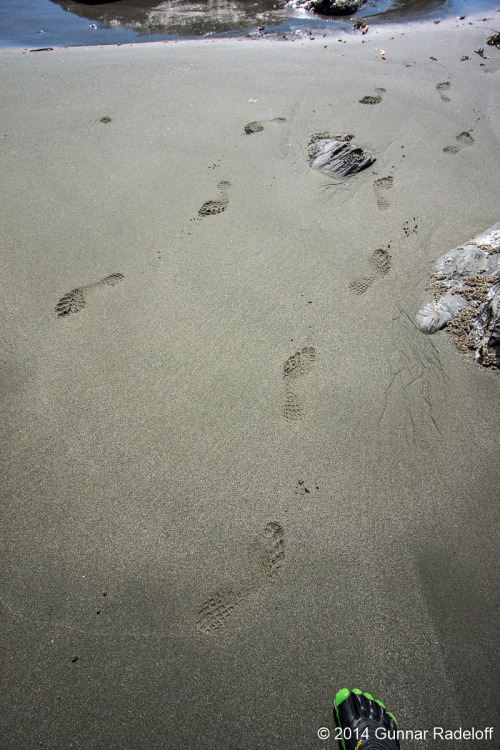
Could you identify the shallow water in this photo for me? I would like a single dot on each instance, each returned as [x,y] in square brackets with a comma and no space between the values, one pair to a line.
[44,23]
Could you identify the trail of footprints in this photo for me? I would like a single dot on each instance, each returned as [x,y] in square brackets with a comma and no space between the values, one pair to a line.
[74,301]
[380,261]
[219,606]
[220,204]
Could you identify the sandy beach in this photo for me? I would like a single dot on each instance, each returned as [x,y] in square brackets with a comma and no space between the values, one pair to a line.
[199,550]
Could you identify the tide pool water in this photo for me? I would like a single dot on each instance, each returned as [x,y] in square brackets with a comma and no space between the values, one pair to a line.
[46,23]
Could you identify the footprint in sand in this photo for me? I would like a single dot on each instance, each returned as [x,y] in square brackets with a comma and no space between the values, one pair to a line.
[373,99]
[256,126]
[217,206]
[270,550]
[272,555]
[360,286]
[443,88]
[463,139]
[298,364]
[74,301]
[381,187]
[380,261]
[214,612]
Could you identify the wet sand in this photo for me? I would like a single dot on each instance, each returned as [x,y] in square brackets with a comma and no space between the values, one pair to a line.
[204,539]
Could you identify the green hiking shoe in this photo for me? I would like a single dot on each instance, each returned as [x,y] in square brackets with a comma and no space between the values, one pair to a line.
[364,722]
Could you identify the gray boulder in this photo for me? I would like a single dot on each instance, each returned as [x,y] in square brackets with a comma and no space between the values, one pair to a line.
[338,154]
[486,330]
[435,315]
[466,287]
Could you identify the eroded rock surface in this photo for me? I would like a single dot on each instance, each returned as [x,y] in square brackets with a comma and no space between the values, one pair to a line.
[466,290]
[338,154]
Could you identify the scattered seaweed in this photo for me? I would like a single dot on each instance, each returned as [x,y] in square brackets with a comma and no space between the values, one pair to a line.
[361,25]
[494,40]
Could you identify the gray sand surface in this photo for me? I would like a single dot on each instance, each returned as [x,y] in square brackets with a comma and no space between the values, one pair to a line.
[145,447]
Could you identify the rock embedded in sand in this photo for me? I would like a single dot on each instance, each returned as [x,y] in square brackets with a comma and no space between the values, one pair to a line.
[466,288]
[486,330]
[434,316]
[337,154]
